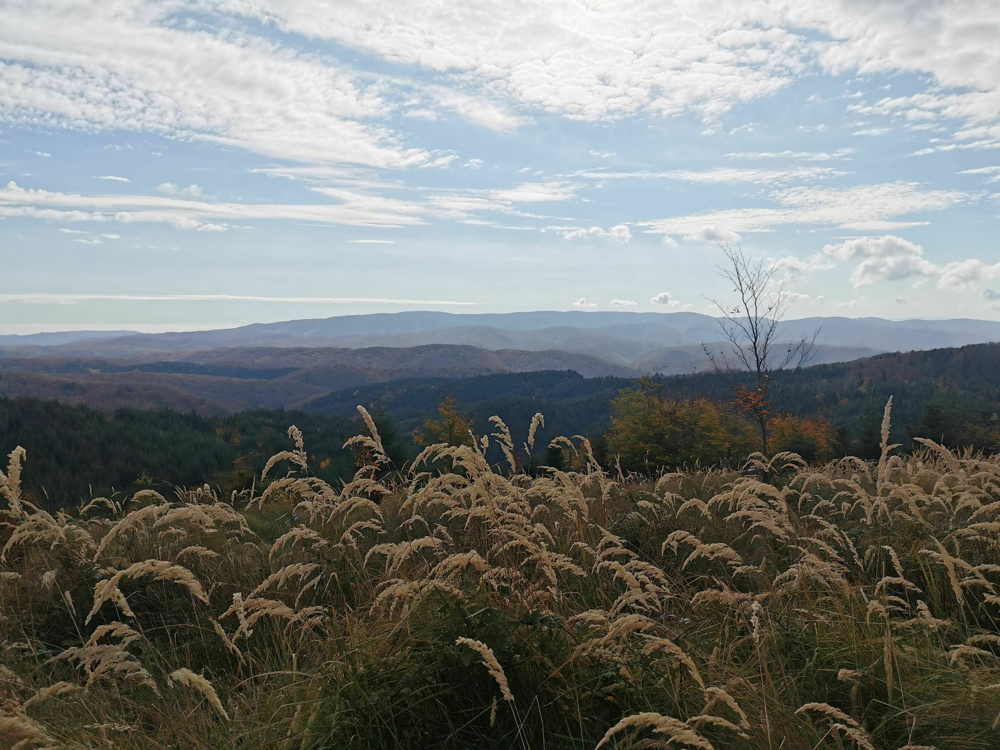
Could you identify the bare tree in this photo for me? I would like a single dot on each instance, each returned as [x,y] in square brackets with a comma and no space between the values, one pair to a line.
[751,331]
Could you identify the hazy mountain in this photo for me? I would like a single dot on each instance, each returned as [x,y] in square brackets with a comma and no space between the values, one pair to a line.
[218,380]
[621,337]
[60,337]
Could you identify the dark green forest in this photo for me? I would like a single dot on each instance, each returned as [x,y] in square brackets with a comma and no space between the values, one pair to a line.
[949,395]
[75,452]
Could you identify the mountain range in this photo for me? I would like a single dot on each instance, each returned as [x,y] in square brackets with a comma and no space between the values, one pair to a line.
[289,364]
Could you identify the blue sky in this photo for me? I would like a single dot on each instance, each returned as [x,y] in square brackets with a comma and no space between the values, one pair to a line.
[198,163]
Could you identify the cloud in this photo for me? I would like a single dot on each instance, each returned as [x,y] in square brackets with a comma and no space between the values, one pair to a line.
[473,164]
[865,207]
[887,258]
[347,207]
[993,172]
[665,298]
[55,298]
[843,153]
[712,233]
[192,191]
[475,109]
[794,267]
[137,67]
[370,242]
[111,236]
[113,178]
[622,303]
[582,302]
[963,273]
[731,175]
[991,296]
[621,232]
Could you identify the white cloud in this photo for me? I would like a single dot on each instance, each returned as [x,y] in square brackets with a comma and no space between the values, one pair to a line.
[865,207]
[349,207]
[192,191]
[712,233]
[370,242]
[887,258]
[569,57]
[843,153]
[130,66]
[55,298]
[582,302]
[795,267]
[963,273]
[43,154]
[622,303]
[113,178]
[111,236]
[729,175]
[620,233]
[473,164]
[992,172]
[665,298]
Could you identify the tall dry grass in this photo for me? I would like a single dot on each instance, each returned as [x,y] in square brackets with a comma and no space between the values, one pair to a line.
[457,603]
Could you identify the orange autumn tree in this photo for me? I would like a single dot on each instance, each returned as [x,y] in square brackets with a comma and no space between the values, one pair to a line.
[649,432]
[810,438]
[451,426]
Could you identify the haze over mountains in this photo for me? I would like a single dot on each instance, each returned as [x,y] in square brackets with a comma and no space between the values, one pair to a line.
[622,337]
[289,364]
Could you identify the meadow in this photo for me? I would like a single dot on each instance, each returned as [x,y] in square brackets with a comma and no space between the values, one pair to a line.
[455,603]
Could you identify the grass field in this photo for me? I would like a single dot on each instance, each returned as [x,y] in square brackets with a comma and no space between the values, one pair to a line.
[458,604]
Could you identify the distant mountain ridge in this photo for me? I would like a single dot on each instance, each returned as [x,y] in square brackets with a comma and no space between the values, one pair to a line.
[667,343]
[226,380]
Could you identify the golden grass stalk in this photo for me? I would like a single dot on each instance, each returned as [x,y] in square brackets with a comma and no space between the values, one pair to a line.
[491,664]
[187,678]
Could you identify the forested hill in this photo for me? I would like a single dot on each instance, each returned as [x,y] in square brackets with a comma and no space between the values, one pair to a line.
[946,394]
[949,395]
[75,452]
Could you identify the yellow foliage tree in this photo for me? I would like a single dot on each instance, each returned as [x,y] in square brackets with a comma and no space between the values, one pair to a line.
[451,427]
[649,431]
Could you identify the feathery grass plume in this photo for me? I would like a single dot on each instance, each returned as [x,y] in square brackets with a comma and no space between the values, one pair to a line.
[294,536]
[283,576]
[297,456]
[52,691]
[187,678]
[21,731]
[536,421]
[654,644]
[884,445]
[372,441]
[506,442]
[161,570]
[679,732]
[10,483]
[134,520]
[491,664]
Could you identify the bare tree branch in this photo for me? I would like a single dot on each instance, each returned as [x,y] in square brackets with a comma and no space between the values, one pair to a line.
[751,330]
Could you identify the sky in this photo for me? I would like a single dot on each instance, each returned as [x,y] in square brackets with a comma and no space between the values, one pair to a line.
[180,164]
